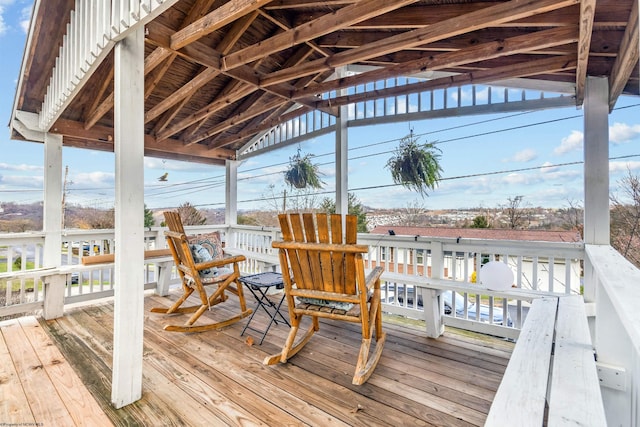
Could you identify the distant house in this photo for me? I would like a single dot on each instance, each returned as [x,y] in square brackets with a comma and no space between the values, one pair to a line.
[536,272]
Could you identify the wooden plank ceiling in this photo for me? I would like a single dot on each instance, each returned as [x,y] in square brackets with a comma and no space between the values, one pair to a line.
[220,72]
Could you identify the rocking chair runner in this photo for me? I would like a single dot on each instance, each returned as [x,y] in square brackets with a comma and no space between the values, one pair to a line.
[192,280]
[329,283]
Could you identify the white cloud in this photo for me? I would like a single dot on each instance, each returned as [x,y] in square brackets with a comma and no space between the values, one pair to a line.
[524,156]
[22,181]
[25,18]
[548,167]
[3,24]
[22,167]
[622,132]
[572,142]
[93,179]
[623,166]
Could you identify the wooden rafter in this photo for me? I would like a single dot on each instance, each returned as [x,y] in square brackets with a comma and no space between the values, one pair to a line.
[529,68]
[218,18]
[341,18]
[472,21]
[627,60]
[518,44]
[587,14]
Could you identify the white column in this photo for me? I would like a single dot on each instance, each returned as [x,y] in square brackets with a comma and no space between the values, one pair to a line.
[231,193]
[596,161]
[52,225]
[596,170]
[52,220]
[129,220]
[342,163]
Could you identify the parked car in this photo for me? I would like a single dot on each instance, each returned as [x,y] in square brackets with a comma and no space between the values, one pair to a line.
[397,293]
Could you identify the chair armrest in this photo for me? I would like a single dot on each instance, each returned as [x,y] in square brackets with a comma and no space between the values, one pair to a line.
[373,278]
[220,262]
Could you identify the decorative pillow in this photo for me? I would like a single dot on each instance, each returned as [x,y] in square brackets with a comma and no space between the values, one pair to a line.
[201,254]
[211,241]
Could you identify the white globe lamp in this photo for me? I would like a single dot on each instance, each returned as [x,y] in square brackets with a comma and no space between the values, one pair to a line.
[496,275]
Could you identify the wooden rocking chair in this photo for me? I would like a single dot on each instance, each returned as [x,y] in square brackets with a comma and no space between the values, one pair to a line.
[192,277]
[330,283]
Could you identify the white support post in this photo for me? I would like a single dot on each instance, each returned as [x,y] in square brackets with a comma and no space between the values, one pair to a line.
[129,220]
[596,171]
[52,220]
[342,147]
[52,225]
[432,300]
[231,193]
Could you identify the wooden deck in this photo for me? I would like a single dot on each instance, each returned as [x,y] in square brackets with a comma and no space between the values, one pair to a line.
[217,377]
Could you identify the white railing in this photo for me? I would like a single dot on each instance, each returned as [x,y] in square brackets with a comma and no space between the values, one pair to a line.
[538,267]
[93,29]
[617,332]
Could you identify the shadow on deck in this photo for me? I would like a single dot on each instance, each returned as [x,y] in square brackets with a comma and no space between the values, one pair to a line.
[217,377]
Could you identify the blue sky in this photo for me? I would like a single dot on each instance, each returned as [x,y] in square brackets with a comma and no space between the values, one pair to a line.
[486,159]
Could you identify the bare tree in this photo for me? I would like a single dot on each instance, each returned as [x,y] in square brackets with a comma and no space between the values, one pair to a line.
[518,214]
[573,217]
[625,219]
[292,200]
[413,214]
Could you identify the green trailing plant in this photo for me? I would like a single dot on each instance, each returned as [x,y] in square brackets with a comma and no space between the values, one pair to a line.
[302,173]
[415,166]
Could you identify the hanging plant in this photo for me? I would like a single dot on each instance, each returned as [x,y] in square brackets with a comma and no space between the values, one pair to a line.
[415,166]
[302,172]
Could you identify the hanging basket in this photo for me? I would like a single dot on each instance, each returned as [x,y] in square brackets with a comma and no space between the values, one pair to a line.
[302,173]
[415,166]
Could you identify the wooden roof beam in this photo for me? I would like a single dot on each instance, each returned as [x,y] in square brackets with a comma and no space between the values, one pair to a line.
[483,18]
[214,20]
[205,75]
[100,106]
[325,24]
[525,69]
[260,126]
[74,131]
[300,55]
[627,59]
[587,14]
[206,111]
[235,120]
[514,45]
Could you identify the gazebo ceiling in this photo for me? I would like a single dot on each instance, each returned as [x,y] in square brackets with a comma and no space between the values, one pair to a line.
[219,73]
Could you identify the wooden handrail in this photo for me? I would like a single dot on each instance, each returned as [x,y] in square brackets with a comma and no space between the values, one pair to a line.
[107,258]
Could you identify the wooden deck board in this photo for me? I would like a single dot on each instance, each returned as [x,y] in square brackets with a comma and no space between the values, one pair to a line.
[217,377]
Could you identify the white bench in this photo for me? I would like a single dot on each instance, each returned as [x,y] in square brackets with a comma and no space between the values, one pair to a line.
[431,290]
[551,378]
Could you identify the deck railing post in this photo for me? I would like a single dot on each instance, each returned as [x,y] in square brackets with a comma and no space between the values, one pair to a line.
[432,302]
[54,286]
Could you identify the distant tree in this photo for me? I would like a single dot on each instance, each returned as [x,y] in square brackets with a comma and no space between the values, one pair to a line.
[17,226]
[480,221]
[413,214]
[625,219]
[291,199]
[247,220]
[190,215]
[149,220]
[518,214]
[573,217]
[354,208]
[96,219]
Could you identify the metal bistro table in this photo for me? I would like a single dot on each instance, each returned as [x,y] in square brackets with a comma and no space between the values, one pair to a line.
[259,284]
